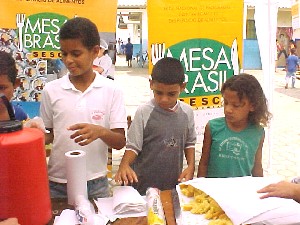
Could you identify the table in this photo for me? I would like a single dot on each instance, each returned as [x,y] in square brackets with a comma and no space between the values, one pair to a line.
[58,205]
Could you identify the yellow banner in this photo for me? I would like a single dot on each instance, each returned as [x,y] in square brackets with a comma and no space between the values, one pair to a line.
[205,35]
[34,25]
[101,12]
[201,102]
[29,31]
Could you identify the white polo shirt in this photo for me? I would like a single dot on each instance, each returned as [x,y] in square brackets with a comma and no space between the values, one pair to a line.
[63,105]
[105,63]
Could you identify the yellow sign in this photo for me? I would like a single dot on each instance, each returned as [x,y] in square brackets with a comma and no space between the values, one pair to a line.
[34,25]
[201,102]
[29,31]
[101,12]
[206,36]
[295,14]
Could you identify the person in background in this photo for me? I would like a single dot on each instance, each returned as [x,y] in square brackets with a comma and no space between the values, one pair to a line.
[292,65]
[161,134]
[119,42]
[122,48]
[82,110]
[103,63]
[232,145]
[280,50]
[8,83]
[292,45]
[276,55]
[129,53]
[283,189]
[10,221]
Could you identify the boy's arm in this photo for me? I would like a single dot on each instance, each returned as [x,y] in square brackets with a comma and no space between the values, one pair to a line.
[135,137]
[188,173]
[49,136]
[125,174]
[99,69]
[203,163]
[86,133]
[115,138]
[257,170]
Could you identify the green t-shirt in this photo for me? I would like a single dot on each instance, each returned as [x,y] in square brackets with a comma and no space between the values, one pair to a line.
[232,154]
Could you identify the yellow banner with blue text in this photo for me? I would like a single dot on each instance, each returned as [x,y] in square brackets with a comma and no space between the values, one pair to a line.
[206,36]
[29,31]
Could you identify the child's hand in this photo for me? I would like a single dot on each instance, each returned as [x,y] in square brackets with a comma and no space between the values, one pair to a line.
[125,175]
[186,175]
[36,122]
[11,221]
[85,133]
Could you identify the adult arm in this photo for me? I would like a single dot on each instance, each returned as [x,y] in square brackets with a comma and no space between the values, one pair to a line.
[203,163]
[282,189]
[257,170]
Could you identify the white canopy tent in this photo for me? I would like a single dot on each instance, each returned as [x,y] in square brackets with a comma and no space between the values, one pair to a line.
[266,26]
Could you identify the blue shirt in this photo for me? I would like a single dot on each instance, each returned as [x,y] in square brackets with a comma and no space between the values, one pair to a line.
[129,49]
[19,113]
[292,63]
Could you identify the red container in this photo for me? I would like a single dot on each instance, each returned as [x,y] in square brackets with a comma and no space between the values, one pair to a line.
[24,186]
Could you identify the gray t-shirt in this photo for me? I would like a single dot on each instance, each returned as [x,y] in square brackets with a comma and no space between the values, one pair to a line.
[159,138]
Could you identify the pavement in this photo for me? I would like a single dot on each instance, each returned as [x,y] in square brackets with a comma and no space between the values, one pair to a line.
[281,153]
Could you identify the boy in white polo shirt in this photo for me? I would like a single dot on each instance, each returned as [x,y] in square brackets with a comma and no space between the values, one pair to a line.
[82,110]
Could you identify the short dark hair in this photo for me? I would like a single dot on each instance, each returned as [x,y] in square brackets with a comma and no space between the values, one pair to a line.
[168,71]
[80,28]
[8,66]
[293,50]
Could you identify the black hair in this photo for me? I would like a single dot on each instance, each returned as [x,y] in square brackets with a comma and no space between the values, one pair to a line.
[80,28]
[247,85]
[8,66]
[168,71]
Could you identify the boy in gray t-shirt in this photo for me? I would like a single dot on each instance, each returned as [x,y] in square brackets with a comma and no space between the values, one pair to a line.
[161,133]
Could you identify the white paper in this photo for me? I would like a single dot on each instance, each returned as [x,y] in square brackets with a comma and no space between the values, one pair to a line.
[76,175]
[106,207]
[126,202]
[239,199]
[128,199]
[97,219]
[67,217]
[284,215]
